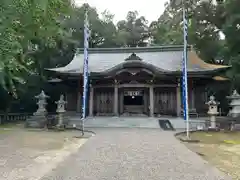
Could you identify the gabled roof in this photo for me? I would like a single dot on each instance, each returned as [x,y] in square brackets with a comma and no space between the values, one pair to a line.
[164,58]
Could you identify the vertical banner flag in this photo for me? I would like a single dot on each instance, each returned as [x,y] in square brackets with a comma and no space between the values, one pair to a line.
[85,66]
[184,68]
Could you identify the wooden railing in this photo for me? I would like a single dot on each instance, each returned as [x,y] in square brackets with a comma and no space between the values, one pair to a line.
[13,117]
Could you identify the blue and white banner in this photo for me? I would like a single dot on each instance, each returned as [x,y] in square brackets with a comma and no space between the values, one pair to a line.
[184,68]
[85,67]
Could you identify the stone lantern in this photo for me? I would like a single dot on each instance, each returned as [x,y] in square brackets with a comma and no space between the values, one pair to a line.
[42,102]
[61,110]
[234,113]
[38,120]
[213,111]
[235,104]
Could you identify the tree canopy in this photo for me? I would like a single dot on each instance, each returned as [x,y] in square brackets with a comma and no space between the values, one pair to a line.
[44,34]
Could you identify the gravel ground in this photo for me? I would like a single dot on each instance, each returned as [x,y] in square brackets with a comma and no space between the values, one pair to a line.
[134,154]
[28,155]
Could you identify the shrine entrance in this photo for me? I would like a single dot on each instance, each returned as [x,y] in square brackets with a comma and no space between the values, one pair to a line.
[134,101]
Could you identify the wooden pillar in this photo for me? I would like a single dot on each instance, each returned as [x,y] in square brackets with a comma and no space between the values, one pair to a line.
[193,96]
[178,91]
[79,102]
[145,96]
[116,99]
[91,101]
[151,96]
[121,102]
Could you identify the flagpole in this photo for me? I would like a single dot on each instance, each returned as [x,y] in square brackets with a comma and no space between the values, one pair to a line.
[185,77]
[85,69]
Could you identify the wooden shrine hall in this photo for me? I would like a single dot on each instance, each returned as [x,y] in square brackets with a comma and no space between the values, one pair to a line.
[135,81]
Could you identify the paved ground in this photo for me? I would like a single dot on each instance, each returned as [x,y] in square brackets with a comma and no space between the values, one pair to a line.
[134,154]
[28,155]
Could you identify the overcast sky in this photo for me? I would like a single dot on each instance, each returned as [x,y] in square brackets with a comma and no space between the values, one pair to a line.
[151,9]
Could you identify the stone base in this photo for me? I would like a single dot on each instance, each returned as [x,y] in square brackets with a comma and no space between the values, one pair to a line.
[213,129]
[60,127]
[36,121]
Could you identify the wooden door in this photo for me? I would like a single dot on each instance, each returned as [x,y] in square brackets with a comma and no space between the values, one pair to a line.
[165,101]
[103,101]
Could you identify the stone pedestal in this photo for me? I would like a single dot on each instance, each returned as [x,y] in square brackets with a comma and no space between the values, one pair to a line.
[212,111]
[213,122]
[60,110]
[60,120]
[38,120]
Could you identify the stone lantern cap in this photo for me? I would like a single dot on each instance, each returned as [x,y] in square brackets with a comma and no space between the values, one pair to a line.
[212,101]
[42,95]
[235,95]
[61,100]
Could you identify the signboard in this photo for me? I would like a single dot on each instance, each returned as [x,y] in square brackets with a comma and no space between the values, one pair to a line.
[133,93]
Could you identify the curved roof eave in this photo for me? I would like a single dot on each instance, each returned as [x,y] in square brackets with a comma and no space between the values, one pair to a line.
[196,60]
[203,72]
[134,64]
[151,67]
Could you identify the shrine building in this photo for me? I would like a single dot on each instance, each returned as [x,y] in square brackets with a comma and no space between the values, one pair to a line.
[137,81]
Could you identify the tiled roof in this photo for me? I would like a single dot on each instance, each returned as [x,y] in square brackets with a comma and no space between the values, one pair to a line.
[167,58]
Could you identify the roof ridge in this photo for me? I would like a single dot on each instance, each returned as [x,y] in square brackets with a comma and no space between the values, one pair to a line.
[135,49]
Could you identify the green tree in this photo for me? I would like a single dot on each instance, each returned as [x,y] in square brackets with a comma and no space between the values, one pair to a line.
[26,27]
[231,30]
[103,30]
[133,31]
[204,28]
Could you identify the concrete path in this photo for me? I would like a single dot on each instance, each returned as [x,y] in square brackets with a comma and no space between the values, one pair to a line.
[134,154]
